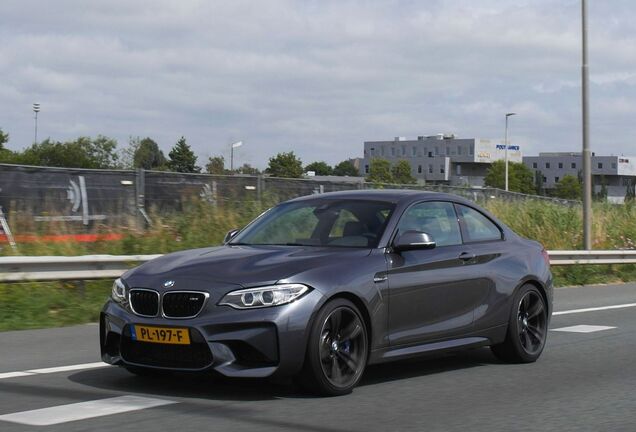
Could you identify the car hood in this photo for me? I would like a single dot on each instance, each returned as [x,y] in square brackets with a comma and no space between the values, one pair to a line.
[240,266]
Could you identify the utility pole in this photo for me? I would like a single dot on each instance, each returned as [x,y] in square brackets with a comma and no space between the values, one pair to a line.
[506,146]
[36,110]
[234,145]
[587,159]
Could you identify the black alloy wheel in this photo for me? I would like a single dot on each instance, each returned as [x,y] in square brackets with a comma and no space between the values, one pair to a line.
[337,351]
[527,328]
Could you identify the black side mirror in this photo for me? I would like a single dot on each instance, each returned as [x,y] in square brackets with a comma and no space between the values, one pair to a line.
[230,234]
[413,240]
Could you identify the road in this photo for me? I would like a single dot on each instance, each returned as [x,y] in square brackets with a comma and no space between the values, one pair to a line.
[583,382]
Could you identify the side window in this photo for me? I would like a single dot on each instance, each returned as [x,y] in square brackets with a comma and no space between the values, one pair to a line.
[344,224]
[478,227]
[435,218]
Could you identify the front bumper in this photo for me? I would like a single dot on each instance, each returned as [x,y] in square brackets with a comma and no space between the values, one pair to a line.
[235,343]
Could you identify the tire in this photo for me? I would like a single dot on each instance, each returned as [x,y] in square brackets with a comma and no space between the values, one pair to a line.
[527,328]
[337,350]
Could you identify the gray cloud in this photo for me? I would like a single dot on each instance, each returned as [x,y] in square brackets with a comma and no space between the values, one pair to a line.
[316,77]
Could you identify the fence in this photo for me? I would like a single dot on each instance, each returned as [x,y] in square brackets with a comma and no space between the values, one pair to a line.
[82,198]
[45,268]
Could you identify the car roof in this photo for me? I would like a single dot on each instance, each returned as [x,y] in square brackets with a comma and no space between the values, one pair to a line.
[388,195]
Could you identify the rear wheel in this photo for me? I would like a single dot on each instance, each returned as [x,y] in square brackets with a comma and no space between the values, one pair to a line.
[527,328]
[337,350]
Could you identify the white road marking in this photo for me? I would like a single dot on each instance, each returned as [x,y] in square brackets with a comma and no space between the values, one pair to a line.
[583,328]
[42,371]
[83,410]
[593,309]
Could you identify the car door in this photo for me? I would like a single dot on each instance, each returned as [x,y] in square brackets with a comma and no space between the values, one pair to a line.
[433,293]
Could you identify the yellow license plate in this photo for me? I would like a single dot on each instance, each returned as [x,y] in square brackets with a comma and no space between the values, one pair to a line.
[162,335]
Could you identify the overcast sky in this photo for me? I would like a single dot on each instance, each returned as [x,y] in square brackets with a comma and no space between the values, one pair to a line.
[316,77]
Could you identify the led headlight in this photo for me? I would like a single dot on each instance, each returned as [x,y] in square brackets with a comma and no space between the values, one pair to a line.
[119,291]
[274,295]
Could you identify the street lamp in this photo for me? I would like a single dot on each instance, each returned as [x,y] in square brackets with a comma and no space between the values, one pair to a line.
[36,110]
[234,145]
[506,145]
[587,159]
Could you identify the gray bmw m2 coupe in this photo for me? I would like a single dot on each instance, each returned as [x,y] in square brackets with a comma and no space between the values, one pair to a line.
[321,286]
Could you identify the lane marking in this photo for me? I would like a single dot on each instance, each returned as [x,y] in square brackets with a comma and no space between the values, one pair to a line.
[593,309]
[83,366]
[83,410]
[583,328]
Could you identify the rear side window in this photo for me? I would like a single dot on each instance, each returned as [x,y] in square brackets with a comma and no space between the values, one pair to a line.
[435,218]
[476,226]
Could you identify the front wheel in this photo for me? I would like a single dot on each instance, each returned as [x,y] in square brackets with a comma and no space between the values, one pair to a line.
[527,328]
[337,350]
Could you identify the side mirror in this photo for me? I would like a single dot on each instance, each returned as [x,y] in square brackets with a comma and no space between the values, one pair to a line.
[230,234]
[413,240]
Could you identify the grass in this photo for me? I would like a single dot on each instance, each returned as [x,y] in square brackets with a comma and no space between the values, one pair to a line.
[34,305]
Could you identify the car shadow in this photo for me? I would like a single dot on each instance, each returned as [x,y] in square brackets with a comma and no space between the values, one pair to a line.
[214,387]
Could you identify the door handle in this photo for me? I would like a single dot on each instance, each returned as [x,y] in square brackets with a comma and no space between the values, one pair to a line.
[466,256]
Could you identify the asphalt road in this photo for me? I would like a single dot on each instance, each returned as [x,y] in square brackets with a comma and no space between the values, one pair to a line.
[583,382]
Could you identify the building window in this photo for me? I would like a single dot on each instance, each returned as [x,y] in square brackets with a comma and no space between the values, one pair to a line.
[471,151]
[366,169]
[414,151]
[430,169]
[573,165]
[403,150]
[459,150]
[392,151]
[459,169]
[613,165]
[441,169]
[556,179]
[430,154]
[547,164]
[534,165]
[544,179]
[600,165]
[419,169]
[560,165]
[436,151]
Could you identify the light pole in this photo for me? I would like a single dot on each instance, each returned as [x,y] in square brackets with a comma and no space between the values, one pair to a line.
[506,145]
[36,110]
[234,145]
[587,160]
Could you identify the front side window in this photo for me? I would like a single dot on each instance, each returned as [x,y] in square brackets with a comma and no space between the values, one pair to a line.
[477,227]
[319,222]
[435,218]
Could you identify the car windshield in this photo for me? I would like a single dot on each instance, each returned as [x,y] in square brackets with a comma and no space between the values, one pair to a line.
[320,222]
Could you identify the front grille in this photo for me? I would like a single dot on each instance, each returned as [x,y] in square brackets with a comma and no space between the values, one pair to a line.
[183,304]
[144,302]
[195,356]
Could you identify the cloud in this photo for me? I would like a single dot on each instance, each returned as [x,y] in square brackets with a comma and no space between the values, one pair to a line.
[315,77]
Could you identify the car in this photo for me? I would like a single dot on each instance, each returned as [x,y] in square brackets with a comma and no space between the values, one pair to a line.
[319,287]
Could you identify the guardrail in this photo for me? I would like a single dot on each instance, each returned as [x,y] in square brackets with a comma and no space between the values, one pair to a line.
[46,268]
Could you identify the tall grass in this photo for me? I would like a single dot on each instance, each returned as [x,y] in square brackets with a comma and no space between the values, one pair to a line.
[202,224]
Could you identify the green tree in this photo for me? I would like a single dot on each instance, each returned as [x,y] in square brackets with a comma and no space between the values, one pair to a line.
[247,169]
[346,168]
[285,165]
[402,172]
[520,177]
[538,183]
[84,152]
[215,165]
[182,158]
[568,187]
[320,168]
[149,156]
[602,194]
[630,191]
[380,171]
[4,138]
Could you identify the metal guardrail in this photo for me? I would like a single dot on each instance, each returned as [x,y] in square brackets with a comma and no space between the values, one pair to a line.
[46,268]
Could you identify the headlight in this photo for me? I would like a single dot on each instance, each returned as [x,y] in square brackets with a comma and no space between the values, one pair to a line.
[119,291]
[274,295]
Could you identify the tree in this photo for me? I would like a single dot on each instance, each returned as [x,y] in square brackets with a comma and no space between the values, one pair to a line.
[520,177]
[402,172]
[568,187]
[538,183]
[346,168]
[215,165]
[285,165]
[182,158]
[4,138]
[602,194]
[380,171]
[149,156]
[320,168]
[630,191]
[247,169]
[84,152]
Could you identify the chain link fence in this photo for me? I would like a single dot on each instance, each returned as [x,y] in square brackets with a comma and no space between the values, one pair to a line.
[37,199]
